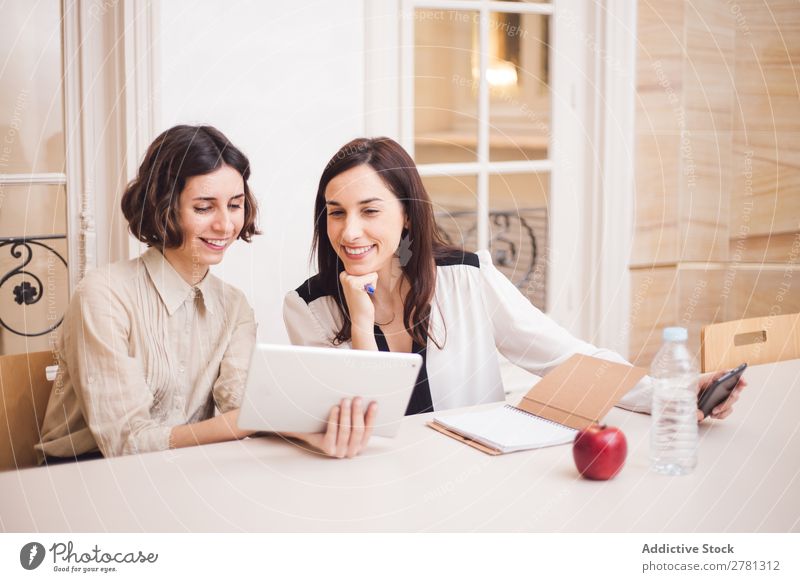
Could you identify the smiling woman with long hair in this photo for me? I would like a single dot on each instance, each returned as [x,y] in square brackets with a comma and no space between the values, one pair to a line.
[387,281]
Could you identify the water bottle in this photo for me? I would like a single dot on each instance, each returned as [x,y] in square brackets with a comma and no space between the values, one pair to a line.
[673,438]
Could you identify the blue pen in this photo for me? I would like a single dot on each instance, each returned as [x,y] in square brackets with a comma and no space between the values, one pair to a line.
[369,288]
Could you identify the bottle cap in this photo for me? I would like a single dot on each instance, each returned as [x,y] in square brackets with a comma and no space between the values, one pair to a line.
[675,334]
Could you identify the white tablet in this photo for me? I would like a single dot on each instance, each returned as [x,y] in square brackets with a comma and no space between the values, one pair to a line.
[292,388]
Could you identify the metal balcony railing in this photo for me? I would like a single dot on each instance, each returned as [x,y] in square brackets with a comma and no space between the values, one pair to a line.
[517,242]
[29,288]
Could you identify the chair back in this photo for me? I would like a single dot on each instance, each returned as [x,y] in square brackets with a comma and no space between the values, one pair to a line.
[24,392]
[758,340]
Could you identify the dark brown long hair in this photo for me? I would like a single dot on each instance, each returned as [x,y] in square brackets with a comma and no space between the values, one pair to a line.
[399,173]
[151,202]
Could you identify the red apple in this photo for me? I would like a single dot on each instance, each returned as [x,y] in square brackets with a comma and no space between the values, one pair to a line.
[599,451]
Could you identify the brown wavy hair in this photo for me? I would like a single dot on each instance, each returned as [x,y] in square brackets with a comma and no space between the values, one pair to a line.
[399,173]
[151,200]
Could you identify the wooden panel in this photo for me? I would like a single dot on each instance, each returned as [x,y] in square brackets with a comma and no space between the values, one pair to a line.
[769,29]
[766,98]
[699,301]
[688,296]
[653,307]
[710,67]
[661,23]
[659,66]
[727,191]
[705,196]
[766,68]
[766,189]
[706,147]
[767,290]
[775,248]
[656,222]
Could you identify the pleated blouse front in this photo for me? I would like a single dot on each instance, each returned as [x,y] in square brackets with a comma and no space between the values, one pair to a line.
[141,351]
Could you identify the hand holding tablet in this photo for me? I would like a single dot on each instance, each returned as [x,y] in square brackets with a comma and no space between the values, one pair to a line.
[293,389]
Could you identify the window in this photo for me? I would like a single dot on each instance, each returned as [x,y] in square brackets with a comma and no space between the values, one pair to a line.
[476,116]
[33,223]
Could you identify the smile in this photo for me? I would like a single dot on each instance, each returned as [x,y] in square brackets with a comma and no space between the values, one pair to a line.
[216,244]
[357,251]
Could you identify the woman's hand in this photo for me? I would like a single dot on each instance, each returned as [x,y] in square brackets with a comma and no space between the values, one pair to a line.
[348,430]
[362,310]
[723,409]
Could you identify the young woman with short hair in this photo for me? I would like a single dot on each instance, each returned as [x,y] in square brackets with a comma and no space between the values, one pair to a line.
[151,348]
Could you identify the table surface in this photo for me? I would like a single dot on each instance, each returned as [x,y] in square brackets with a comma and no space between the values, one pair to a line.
[747,480]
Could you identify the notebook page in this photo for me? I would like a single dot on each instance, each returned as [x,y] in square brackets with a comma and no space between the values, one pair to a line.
[507,429]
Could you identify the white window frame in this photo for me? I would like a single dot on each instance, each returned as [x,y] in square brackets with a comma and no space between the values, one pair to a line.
[590,218]
[482,167]
[389,23]
[613,183]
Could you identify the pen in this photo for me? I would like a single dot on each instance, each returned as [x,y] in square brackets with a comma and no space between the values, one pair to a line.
[369,288]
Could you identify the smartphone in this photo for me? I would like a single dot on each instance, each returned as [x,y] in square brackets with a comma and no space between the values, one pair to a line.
[719,390]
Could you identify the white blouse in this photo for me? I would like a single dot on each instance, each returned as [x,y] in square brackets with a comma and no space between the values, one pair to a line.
[476,311]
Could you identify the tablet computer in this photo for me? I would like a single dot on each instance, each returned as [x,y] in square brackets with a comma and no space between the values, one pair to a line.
[292,388]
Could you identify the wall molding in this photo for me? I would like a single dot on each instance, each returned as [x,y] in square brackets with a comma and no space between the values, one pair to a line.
[381,61]
[614,203]
[570,193]
[109,71]
[46,178]
[80,200]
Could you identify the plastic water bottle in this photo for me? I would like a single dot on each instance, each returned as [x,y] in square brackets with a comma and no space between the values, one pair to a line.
[673,438]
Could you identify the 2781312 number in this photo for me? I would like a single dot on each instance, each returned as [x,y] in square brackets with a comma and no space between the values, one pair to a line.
[755,565]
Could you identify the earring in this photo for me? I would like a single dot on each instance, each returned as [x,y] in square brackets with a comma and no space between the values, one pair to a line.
[403,251]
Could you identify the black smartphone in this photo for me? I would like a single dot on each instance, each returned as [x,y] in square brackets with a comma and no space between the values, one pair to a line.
[719,390]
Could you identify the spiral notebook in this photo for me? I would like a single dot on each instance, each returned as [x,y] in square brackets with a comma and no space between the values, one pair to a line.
[571,397]
[506,429]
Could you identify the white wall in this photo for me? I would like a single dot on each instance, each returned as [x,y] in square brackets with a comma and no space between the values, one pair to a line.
[284,81]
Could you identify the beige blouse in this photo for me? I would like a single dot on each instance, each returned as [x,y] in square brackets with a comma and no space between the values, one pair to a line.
[141,351]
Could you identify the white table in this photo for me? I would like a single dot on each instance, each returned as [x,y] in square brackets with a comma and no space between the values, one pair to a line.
[748,480]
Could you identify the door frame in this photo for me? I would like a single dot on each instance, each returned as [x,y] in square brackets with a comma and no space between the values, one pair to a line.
[110,66]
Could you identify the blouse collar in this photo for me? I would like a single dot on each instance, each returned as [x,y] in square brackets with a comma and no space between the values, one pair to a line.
[171,287]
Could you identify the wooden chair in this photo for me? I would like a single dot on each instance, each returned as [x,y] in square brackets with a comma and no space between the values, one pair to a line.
[758,340]
[24,392]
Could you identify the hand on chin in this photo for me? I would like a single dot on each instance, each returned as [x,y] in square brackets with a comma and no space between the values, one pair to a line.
[358,268]
[354,286]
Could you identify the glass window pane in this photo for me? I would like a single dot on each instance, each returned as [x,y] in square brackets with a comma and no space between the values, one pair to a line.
[454,206]
[32,210]
[31,99]
[518,227]
[445,86]
[518,77]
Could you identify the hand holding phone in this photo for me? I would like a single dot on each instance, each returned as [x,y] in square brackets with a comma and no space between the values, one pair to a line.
[719,390]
